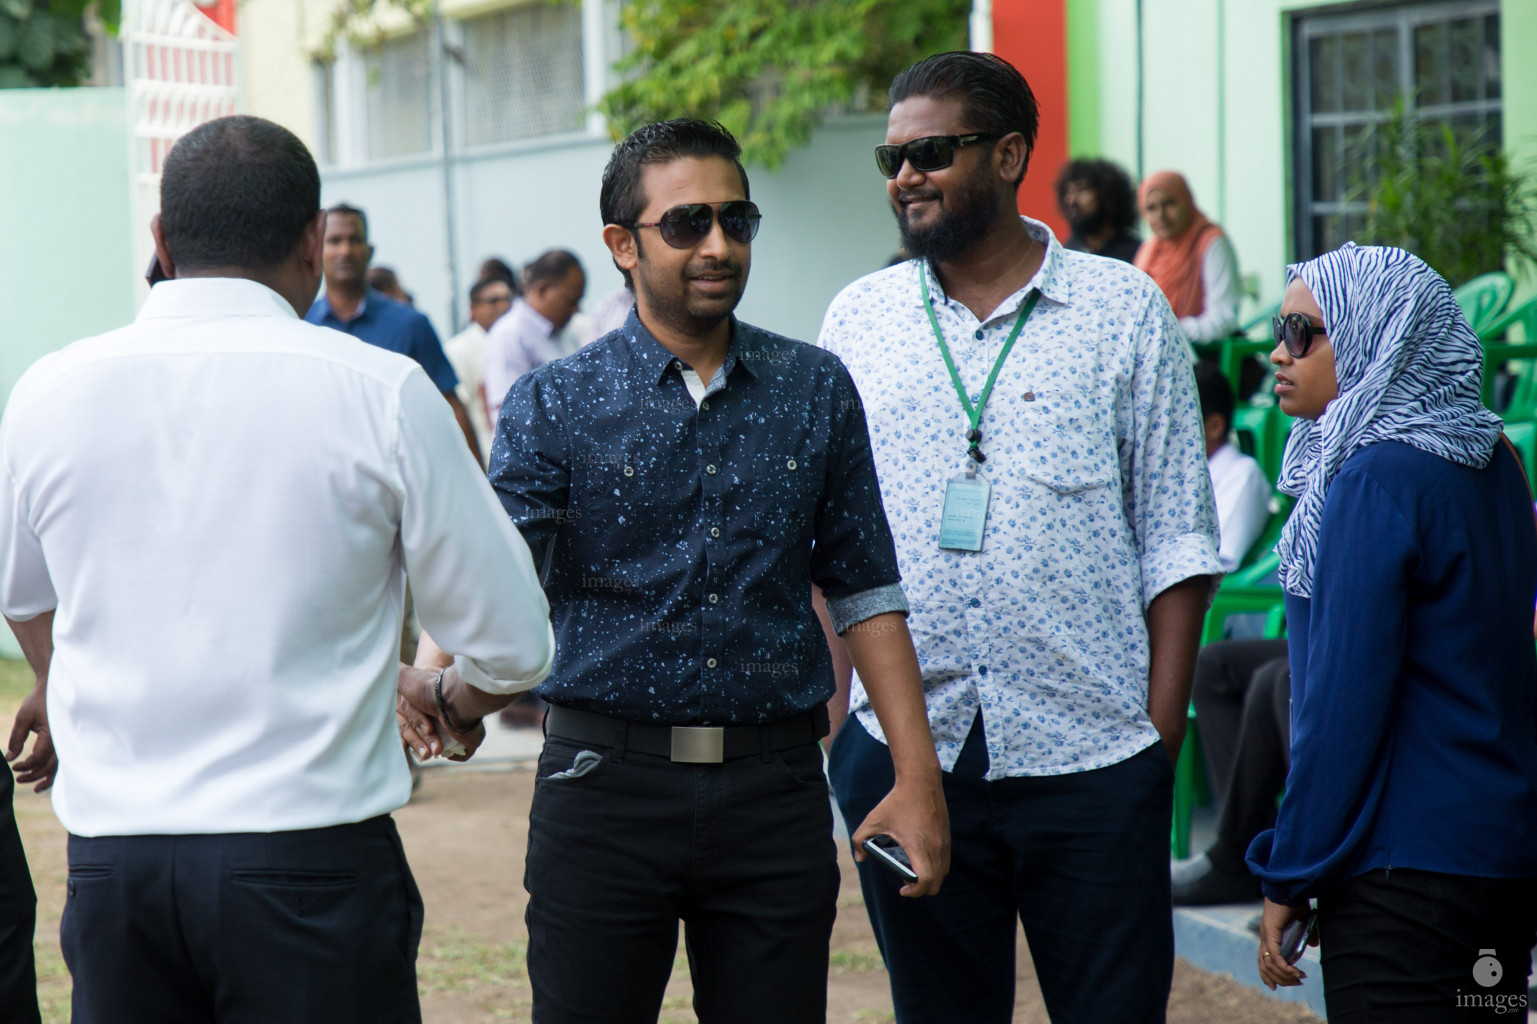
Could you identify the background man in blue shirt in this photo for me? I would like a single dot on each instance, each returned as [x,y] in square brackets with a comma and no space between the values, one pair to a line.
[351,306]
[685,480]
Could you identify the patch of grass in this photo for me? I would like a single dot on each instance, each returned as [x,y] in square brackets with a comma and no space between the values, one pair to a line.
[843,961]
[16,682]
[450,962]
[878,1016]
[53,983]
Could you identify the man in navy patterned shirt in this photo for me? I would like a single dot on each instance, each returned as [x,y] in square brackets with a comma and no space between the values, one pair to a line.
[1036,431]
[685,480]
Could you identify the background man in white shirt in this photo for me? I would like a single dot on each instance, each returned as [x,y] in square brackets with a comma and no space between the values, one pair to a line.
[1056,613]
[531,334]
[1238,483]
[206,520]
[490,297]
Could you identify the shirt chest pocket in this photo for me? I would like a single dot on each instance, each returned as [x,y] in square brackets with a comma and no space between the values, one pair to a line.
[781,496]
[1067,440]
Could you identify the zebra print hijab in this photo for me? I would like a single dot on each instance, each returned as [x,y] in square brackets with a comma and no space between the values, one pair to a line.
[1410,369]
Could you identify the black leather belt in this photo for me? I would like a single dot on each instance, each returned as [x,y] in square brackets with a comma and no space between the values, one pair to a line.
[688,744]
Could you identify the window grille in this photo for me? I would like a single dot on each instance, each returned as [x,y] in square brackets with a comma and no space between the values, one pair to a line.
[523,73]
[1350,68]
[399,96]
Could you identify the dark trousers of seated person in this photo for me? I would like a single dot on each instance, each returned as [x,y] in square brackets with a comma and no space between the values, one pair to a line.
[18,916]
[317,925]
[1404,947]
[623,846]
[1080,858]
[1242,697]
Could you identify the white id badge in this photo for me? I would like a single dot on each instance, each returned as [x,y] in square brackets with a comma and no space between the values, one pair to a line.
[964,519]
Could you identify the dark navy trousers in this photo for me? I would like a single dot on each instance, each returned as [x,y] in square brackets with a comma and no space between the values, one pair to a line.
[1082,859]
[18,916]
[317,925]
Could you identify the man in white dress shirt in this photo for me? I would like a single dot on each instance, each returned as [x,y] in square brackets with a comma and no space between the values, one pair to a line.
[208,519]
[1035,430]
[490,298]
[1237,481]
[533,331]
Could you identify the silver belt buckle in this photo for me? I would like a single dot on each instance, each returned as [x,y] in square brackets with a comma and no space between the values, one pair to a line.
[698,744]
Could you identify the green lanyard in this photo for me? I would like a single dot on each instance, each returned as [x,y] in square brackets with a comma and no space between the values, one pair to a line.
[974,412]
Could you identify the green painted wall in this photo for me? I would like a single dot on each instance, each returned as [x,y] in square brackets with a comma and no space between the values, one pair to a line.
[1216,87]
[65,267]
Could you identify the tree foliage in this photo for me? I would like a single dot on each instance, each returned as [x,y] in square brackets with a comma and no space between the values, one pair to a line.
[44,42]
[770,70]
[1452,198]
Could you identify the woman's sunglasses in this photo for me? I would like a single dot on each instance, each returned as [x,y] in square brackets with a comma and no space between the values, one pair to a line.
[1295,331]
[930,153]
[684,227]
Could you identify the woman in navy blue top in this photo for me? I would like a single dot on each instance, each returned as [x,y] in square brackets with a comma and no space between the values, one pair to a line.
[1410,567]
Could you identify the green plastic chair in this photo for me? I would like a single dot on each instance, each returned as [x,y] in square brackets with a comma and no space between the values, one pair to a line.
[1484,298]
[1259,328]
[1523,438]
[1524,314]
[1523,403]
[1262,431]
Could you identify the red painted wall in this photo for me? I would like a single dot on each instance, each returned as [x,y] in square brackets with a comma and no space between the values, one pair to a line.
[221,12]
[1032,35]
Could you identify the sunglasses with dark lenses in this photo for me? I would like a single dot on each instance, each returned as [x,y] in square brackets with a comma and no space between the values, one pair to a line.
[930,153]
[684,227]
[1295,331]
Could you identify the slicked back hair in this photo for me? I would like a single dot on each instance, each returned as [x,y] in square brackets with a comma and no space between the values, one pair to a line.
[550,266]
[237,192]
[995,97]
[1216,393]
[621,199]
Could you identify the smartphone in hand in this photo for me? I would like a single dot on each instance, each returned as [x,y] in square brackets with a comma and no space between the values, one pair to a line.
[890,855]
[1297,935]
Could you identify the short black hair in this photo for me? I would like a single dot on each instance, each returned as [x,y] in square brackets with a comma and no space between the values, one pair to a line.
[1110,184]
[550,266]
[348,208]
[237,192]
[621,199]
[1216,394]
[494,267]
[479,287]
[384,279]
[996,99]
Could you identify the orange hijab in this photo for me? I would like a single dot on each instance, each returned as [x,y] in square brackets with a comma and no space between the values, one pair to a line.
[1175,264]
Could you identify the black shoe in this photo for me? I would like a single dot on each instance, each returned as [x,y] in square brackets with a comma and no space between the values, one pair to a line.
[1216,886]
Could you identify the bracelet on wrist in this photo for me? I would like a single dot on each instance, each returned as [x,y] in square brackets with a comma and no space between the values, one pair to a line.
[443,712]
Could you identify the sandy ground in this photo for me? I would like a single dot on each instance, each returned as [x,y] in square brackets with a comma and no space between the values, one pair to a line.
[465,832]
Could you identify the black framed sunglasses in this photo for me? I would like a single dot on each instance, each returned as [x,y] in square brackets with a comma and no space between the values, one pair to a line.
[1296,332]
[684,227]
[930,153]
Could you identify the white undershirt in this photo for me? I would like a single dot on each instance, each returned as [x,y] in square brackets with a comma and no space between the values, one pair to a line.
[1223,290]
[1242,493]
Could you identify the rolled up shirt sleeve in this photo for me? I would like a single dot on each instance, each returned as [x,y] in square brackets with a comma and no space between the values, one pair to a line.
[472,577]
[1167,485]
[26,588]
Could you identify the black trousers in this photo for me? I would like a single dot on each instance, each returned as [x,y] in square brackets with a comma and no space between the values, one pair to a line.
[1081,858]
[622,846]
[1412,947]
[318,925]
[18,916]
[1242,697]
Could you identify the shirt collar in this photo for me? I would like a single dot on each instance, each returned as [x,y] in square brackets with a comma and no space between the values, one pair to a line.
[1223,459]
[213,296]
[1051,279]
[654,361]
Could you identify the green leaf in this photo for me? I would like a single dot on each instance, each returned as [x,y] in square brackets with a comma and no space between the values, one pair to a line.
[38,42]
[111,14]
[13,77]
[18,9]
[8,33]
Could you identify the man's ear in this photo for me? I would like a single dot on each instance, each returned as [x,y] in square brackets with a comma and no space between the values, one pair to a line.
[1012,157]
[167,265]
[621,245]
[312,243]
[370,260]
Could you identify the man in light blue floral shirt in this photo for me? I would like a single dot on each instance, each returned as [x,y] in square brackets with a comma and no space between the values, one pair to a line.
[1039,445]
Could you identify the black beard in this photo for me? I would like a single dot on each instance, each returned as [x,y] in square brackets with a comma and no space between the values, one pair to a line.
[1090,224]
[965,216]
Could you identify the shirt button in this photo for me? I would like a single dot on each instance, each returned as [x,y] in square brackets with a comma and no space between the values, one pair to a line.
[677,364]
[790,464]
[981,670]
[979,334]
[715,531]
[1029,396]
[975,399]
[715,599]
[710,663]
[629,471]
[710,469]
[975,602]
[704,405]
